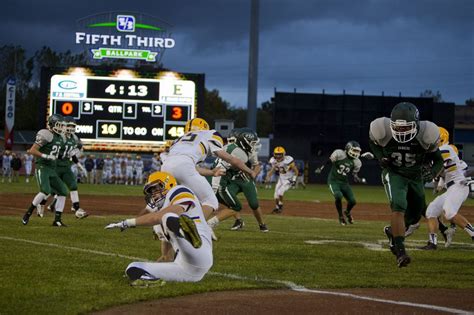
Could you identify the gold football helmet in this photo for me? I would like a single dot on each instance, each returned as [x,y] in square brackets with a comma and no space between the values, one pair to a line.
[443,136]
[156,188]
[279,153]
[196,124]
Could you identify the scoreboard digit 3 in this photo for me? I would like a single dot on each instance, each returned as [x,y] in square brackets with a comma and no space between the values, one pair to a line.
[123,111]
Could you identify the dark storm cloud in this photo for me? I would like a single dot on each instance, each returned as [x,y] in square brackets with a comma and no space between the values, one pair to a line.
[372,45]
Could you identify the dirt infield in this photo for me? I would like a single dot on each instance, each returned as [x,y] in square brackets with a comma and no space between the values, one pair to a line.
[276,301]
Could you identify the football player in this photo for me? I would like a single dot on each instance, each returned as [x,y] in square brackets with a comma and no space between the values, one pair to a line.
[28,159]
[192,148]
[48,145]
[244,145]
[70,153]
[457,190]
[6,166]
[138,169]
[178,220]
[287,171]
[344,162]
[402,143]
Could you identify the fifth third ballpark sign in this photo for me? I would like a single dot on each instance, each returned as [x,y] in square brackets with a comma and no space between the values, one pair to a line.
[124,36]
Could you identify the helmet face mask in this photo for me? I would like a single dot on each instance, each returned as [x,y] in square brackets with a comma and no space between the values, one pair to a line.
[70,125]
[404,122]
[279,153]
[353,149]
[56,123]
[156,188]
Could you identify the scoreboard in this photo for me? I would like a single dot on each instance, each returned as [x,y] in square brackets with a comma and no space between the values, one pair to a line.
[122,112]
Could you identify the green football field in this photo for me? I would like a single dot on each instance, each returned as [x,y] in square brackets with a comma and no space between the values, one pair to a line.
[80,268]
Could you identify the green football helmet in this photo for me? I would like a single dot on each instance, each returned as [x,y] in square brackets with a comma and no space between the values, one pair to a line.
[353,149]
[233,135]
[248,140]
[70,125]
[56,123]
[404,121]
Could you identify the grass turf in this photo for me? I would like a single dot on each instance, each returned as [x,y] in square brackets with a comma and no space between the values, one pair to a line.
[79,269]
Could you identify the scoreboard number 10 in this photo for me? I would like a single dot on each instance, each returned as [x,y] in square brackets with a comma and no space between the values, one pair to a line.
[109,129]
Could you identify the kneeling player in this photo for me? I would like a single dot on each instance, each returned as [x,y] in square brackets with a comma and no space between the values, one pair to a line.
[180,224]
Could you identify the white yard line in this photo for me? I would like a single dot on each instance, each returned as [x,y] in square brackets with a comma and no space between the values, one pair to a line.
[288,284]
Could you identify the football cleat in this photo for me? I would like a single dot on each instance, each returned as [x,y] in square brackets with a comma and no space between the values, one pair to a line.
[73,210]
[449,236]
[142,283]
[189,230]
[26,218]
[263,228]
[411,229]
[349,218]
[429,246]
[342,221]
[238,225]
[51,208]
[40,210]
[81,214]
[59,224]
[403,260]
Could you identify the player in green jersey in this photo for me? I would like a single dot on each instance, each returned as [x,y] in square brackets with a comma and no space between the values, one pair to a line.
[402,144]
[46,149]
[69,154]
[344,162]
[243,144]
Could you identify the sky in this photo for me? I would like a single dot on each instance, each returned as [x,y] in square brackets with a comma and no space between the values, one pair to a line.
[375,46]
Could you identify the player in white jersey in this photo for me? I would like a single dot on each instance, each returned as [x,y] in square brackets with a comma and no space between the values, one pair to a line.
[287,170]
[177,218]
[108,169]
[28,160]
[155,163]
[192,148]
[128,162]
[118,174]
[6,166]
[138,169]
[457,190]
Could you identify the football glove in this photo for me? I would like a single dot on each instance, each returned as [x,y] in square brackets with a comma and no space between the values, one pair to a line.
[122,225]
[293,181]
[367,155]
[384,162]
[319,170]
[48,156]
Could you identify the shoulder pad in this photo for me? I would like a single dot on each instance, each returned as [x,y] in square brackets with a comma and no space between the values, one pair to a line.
[337,155]
[428,136]
[46,134]
[380,131]
[288,159]
[272,160]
